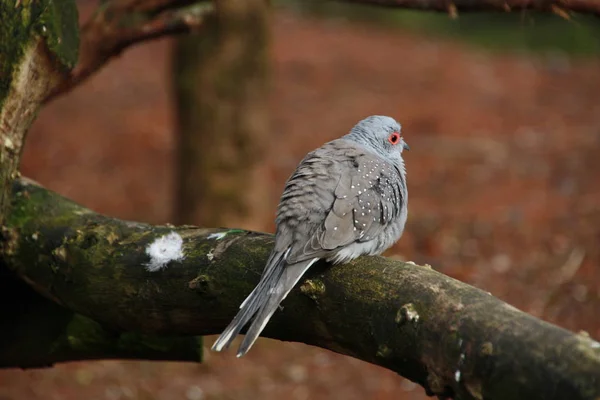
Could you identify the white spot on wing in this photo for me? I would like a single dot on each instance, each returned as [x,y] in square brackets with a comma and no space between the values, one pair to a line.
[163,250]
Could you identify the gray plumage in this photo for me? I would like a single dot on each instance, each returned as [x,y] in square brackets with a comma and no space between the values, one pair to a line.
[346,199]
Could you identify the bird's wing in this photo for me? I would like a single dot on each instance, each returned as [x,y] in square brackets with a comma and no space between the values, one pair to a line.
[338,195]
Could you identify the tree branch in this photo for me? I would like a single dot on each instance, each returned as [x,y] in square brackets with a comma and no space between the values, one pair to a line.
[42,333]
[451,338]
[117,25]
[38,40]
[559,7]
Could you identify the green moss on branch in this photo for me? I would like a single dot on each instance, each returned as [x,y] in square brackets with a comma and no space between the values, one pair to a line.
[451,338]
[38,40]
[23,21]
[37,332]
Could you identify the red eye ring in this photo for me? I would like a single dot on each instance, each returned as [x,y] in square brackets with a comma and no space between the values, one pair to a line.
[394,138]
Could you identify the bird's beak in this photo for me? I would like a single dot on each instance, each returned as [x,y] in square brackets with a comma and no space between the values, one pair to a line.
[406,146]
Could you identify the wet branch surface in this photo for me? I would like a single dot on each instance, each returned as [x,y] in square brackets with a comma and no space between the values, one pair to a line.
[43,333]
[453,339]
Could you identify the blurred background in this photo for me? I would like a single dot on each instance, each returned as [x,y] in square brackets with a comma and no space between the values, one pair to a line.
[502,113]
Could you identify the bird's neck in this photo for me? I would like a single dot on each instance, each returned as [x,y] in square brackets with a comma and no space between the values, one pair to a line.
[401,168]
[358,136]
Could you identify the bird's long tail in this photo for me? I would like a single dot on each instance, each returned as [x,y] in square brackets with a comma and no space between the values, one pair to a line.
[278,279]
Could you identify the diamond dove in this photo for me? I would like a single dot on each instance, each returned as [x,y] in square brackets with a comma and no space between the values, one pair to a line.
[345,199]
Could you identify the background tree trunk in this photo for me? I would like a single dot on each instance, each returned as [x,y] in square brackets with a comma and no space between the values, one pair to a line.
[220,77]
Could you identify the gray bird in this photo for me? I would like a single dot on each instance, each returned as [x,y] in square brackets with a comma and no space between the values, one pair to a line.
[346,199]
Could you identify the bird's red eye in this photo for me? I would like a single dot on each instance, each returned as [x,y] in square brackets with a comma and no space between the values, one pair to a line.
[394,138]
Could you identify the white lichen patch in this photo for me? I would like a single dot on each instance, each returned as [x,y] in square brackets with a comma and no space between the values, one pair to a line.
[457,375]
[411,314]
[217,236]
[8,143]
[461,361]
[407,313]
[83,211]
[163,250]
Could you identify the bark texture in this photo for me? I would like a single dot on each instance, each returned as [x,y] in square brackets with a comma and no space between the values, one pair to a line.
[453,339]
[38,42]
[38,332]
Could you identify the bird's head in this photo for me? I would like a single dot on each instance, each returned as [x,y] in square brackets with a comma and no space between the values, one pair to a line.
[381,134]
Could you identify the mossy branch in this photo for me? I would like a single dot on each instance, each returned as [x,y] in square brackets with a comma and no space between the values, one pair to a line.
[38,42]
[453,339]
[38,332]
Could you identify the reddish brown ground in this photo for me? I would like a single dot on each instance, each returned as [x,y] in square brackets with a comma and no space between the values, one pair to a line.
[503,177]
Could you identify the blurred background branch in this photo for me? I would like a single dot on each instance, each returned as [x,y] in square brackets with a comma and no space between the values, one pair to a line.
[453,339]
[37,43]
[116,25]
[559,7]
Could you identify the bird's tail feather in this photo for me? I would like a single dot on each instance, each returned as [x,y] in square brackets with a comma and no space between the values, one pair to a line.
[289,277]
[253,302]
[275,260]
